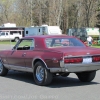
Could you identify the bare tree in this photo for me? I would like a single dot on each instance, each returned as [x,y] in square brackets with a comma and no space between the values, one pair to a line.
[64,13]
[6,10]
[88,6]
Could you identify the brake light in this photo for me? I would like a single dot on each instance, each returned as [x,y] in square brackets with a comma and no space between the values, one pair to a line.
[73,60]
[96,58]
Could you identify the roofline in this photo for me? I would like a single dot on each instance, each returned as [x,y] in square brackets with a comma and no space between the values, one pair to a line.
[49,36]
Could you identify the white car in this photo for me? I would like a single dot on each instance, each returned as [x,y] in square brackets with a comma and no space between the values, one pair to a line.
[10,36]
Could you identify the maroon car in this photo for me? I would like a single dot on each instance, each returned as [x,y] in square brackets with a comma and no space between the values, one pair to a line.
[47,56]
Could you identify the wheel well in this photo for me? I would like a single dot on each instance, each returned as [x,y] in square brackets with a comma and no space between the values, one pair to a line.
[37,61]
[16,37]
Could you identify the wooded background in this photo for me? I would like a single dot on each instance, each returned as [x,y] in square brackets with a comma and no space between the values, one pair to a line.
[64,13]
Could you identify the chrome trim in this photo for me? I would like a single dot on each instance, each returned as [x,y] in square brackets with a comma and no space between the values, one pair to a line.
[77,67]
[19,68]
[64,67]
[29,69]
[55,70]
[62,63]
[81,56]
[82,67]
[39,59]
[40,73]
[16,46]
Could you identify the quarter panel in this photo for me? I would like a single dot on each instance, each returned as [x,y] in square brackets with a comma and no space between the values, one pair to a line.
[52,59]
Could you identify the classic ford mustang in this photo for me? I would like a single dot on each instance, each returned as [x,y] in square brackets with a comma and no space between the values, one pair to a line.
[47,56]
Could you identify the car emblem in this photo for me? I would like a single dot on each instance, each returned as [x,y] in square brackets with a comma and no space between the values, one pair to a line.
[55,60]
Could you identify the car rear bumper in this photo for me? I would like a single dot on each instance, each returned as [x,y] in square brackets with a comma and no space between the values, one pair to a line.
[76,67]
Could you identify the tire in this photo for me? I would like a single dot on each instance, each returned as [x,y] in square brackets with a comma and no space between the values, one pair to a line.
[16,39]
[41,75]
[86,76]
[3,70]
[12,40]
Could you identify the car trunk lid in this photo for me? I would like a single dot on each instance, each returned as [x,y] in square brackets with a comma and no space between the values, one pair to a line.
[78,51]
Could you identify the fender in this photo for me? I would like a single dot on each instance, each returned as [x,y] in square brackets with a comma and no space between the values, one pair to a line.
[38,58]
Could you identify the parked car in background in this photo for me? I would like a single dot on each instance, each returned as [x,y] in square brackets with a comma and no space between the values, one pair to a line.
[9,31]
[50,55]
[15,36]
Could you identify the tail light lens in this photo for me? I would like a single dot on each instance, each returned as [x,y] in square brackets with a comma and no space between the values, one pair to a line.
[96,58]
[73,60]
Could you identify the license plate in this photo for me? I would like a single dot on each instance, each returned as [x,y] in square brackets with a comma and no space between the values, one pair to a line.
[87,60]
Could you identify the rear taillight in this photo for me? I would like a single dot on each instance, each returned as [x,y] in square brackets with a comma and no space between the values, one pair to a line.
[96,59]
[73,60]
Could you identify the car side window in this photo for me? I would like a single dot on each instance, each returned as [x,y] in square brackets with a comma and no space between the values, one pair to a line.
[26,44]
[2,34]
[62,42]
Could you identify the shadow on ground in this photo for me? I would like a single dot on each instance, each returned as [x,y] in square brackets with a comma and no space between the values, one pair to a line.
[57,82]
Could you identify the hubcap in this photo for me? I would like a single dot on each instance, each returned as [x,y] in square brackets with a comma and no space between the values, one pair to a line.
[40,73]
[1,67]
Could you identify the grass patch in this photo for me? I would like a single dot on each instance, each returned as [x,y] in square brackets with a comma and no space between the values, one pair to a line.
[7,42]
[96,46]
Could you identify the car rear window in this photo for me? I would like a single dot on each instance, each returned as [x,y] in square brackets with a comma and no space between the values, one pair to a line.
[63,42]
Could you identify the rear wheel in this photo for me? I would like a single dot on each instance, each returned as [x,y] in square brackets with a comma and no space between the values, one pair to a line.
[3,70]
[41,75]
[86,76]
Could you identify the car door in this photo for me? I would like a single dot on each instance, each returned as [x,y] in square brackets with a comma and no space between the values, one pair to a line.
[16,58]
[29,54]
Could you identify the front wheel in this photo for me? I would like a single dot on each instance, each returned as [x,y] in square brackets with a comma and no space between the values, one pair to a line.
[86,76]
[41,75]
[3,70]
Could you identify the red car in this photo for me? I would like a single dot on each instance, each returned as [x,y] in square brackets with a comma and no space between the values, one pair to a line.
[47,56]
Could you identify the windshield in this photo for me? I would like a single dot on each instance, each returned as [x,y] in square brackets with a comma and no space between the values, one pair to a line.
[63,42]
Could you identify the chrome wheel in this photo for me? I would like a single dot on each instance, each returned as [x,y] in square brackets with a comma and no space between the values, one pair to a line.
[1,67]
[40,73]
